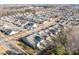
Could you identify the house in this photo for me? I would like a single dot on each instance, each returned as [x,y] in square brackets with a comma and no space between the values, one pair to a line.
[42,45]
[45,22]
[52,30]
[9,31]
[13,32]
[35,25]
[2,18]
[42,33]
[47,31]
[31,40]
[30,25]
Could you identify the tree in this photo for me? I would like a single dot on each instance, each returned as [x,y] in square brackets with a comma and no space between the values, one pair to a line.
[58,49]
[61,37]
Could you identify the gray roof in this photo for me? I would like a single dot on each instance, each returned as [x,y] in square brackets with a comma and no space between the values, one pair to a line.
[32,40]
